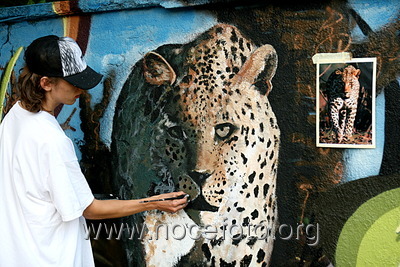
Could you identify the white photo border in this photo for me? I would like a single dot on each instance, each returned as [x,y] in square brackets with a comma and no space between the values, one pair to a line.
[353,61]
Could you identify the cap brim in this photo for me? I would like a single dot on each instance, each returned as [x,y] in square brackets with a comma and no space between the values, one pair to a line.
[86,79]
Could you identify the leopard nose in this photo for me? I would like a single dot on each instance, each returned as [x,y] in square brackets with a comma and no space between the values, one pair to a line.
[347,88]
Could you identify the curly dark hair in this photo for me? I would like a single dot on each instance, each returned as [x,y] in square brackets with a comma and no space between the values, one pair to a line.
[30,91]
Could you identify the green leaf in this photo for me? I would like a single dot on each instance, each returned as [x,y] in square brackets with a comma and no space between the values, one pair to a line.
[6,78]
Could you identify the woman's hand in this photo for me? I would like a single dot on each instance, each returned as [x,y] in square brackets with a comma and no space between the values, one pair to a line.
[162,202]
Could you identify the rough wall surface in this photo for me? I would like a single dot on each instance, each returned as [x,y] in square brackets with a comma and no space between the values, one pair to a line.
[195,99]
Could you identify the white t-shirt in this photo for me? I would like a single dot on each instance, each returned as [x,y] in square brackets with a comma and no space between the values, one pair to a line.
[43,194]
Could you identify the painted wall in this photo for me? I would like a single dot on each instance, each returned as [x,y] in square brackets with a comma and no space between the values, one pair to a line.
[328,189]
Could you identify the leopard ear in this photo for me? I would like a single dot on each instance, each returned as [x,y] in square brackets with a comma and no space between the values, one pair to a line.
[156,69]
[259,69]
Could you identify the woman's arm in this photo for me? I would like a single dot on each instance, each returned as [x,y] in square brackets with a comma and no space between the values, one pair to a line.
[113,208]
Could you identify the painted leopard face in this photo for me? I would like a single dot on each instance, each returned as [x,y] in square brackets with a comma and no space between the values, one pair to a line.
[220,128]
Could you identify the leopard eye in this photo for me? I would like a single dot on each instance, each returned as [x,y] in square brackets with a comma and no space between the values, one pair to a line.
[224,130]
[177,132]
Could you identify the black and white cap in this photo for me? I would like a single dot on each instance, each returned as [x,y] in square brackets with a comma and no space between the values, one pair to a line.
[55,56]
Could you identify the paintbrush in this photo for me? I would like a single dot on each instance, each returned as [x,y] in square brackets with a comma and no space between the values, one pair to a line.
[164,199]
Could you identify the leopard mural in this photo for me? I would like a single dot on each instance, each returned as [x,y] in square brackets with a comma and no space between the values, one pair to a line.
[196,118]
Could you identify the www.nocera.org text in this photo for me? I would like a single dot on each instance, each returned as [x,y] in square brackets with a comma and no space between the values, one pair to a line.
[210,232]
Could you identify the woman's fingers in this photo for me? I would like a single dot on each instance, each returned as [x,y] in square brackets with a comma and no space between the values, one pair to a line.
[179,201]
[179,204]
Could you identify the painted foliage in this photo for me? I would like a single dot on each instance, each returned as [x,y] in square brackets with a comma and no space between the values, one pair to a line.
[187,104]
